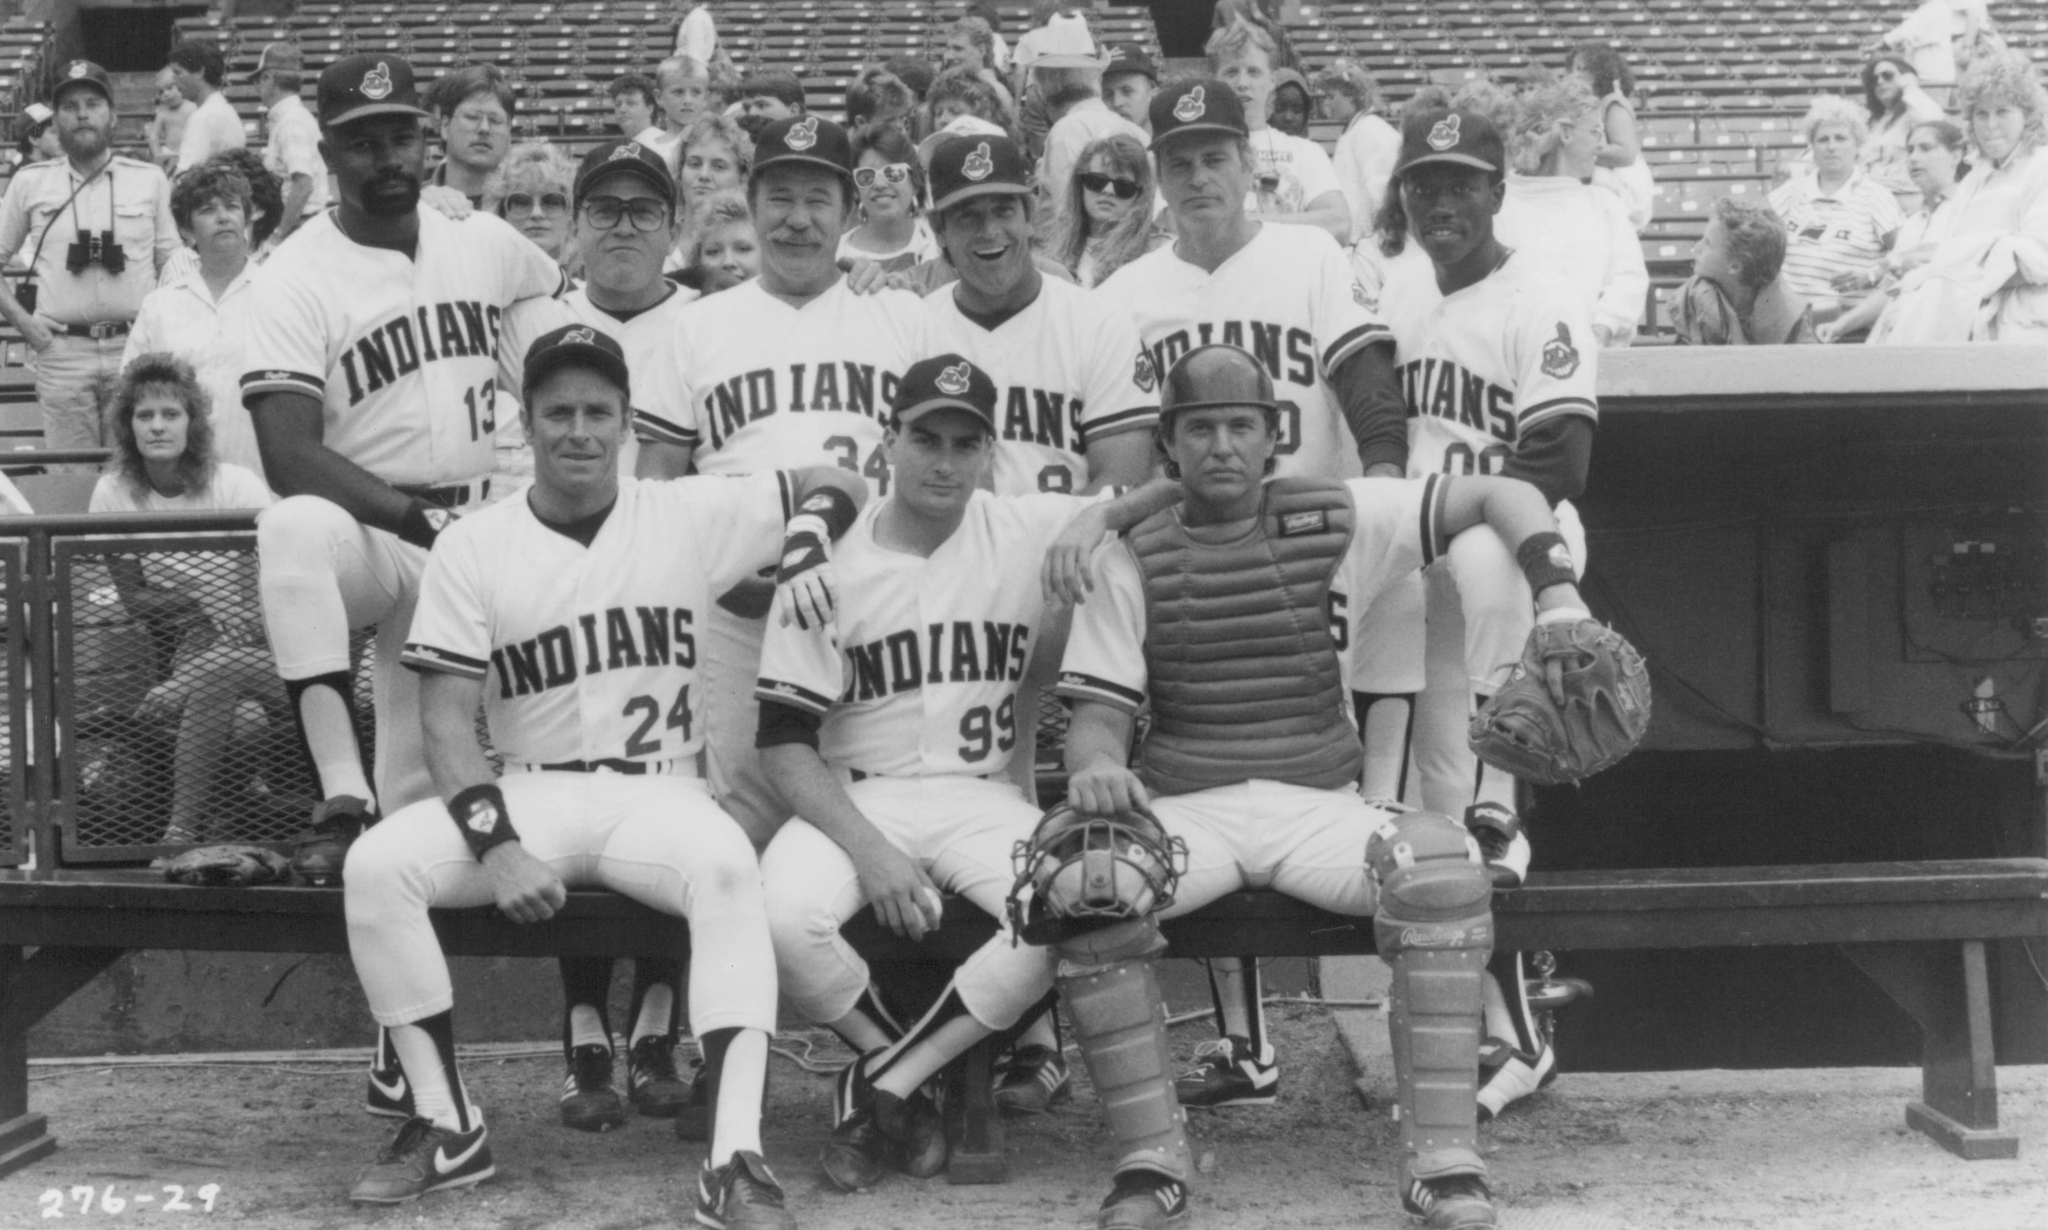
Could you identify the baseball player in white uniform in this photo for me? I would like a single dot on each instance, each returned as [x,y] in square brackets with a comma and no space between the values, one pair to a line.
[570,615]
[889,732]
[790,368]
[1497,362]
[1285,293]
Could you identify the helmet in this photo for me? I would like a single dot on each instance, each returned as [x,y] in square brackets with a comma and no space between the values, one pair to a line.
[1216,375]
[1095,868]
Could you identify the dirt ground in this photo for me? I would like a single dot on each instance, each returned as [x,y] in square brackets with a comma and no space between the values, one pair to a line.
[1809,1150]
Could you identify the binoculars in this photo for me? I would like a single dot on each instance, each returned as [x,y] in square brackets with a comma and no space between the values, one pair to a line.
[95,248]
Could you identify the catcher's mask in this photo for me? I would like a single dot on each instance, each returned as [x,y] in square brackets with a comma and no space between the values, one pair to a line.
[1092,870]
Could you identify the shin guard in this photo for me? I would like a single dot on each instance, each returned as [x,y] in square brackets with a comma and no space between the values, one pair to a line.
[1111,986]
[1435,930]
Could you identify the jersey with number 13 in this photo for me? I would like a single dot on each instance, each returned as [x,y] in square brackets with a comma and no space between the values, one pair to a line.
[401,351]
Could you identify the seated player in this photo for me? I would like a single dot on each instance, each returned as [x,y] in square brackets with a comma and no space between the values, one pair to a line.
[889,733]
[570,615]
[1217,614]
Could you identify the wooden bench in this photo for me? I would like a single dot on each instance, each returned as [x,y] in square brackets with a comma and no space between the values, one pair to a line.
[1918,929]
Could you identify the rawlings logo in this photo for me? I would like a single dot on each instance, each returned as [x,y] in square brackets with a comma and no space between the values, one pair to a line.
[1147,377]
[1294,525]
[1443,937]
[953,381]
[803,134]
[979,164]
[376,83]
[582,337]
[630,149]
[1445,134]
[1192,106]
[1560,357]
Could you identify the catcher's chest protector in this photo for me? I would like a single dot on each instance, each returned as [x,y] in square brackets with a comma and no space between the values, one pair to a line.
[1242,667]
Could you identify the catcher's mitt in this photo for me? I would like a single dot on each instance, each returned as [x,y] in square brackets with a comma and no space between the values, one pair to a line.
[230,866]
[1605,686]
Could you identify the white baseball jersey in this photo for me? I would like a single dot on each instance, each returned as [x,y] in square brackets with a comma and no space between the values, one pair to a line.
[401,353]
[660,409]
[590,653]
[1480,367]
[774,385]
[1397,532]
[1068,370]
[918,675]
[1289,298]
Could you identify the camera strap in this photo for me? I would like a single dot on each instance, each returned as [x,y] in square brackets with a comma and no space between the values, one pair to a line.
[69,203]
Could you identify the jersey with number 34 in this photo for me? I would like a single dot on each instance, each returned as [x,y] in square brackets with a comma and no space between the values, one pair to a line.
[590,653]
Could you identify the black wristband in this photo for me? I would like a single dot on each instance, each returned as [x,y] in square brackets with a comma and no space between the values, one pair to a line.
[423,523]
[1546,561]
[480,812]
[832,506]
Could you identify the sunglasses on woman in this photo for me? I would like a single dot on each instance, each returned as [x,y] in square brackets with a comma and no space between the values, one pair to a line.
[1121,189]
[894,173]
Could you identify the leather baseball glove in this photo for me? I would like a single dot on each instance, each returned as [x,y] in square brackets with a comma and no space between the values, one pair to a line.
[229,866]
[1577,702]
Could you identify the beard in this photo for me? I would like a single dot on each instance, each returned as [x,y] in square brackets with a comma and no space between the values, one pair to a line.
[84,142]
[391,194]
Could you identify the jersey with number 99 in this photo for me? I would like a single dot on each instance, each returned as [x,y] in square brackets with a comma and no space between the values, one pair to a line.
[400,351]
[590,653]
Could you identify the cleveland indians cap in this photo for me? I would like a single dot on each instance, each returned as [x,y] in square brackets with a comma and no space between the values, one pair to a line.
[1130,58]
[359,86]
[944,382]
[574,346]
[1444,134]
[1204,104]
[966,167]
[625,158]
[85,73]
[806,140]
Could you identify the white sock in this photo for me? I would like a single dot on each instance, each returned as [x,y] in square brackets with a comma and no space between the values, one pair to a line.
[657,1009]
[737,1118]
[1500,1023]
[586,1028]
[331,736]
[432,1098]
[1040,1033]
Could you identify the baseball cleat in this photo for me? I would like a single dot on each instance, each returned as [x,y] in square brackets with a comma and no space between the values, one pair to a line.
[741,1195]
[1143,1200]
[1229,1074]
[1454,1202]
[652,1082]
[1031,1079]
[589,1103]
[319,852]
[857,1155]
[422,1158]
[916,1131]
[1508,1075]
[1502,840]
[388,1095]
[852,1089]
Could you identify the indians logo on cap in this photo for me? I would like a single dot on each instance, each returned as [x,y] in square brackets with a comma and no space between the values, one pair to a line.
[953,381]
[377,82]
[803,134]
[581,337]
[1115,54]
[1560,357]
[979,165]
[78,69]
[628,149]
[1445,134]
[1192,106]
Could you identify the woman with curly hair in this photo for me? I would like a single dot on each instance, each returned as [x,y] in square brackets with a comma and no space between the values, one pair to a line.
[1840,221]
[1106,221]
[1620,168]
[1988,279]
[727,251]
[1897,105]
[715,156]
[888,179]
[533,190]
[162,428]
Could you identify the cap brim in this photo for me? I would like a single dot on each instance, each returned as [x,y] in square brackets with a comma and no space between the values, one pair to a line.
[1462,160]
[626,166]
[1124,68]
[72,83]
[1188,130]
[806,160]
[974,190]
[910,414]
[557,357]
[371,111]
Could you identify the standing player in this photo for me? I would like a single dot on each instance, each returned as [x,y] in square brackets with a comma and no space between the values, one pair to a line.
[372,356]
[569,616]
[1217,614]
[1497,364]
[1285,293]
[889,732]
[788,369]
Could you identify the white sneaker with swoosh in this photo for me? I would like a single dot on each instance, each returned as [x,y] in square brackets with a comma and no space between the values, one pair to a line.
[425,1157]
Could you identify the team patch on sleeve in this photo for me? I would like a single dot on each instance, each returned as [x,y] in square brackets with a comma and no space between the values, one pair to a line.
[1077,686]
[278,380]
[427,658]
[783,692]
[1560,357]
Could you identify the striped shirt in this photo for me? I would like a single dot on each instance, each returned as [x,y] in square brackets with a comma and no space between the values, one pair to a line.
[1828,235]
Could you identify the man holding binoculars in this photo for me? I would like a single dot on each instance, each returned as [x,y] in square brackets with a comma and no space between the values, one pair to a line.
[99,228]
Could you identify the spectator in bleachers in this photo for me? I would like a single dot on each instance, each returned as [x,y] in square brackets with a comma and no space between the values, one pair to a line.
[634,108]
[532,189]
[474,106]
[39,141]
[697,36]
[958,93]
[165,131]
[999,47]
[199,312]
[164,461]
[1068,76]
[727,250]
[1987,279]
[199,71]
[877,97]
[1552,212]
[1931,35]
[1839,220]
[1622,169]
[715,155]
[685,91]
[1897,105]
[1252,13]
[970,49]
[1106,221]
[1291,103]
[1368,146]
[1935,158]
[1292,179]
[769,95]
[1051,22]
[1738,294]
[292,151]
[1129,83]
[888,179]
[914,72]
